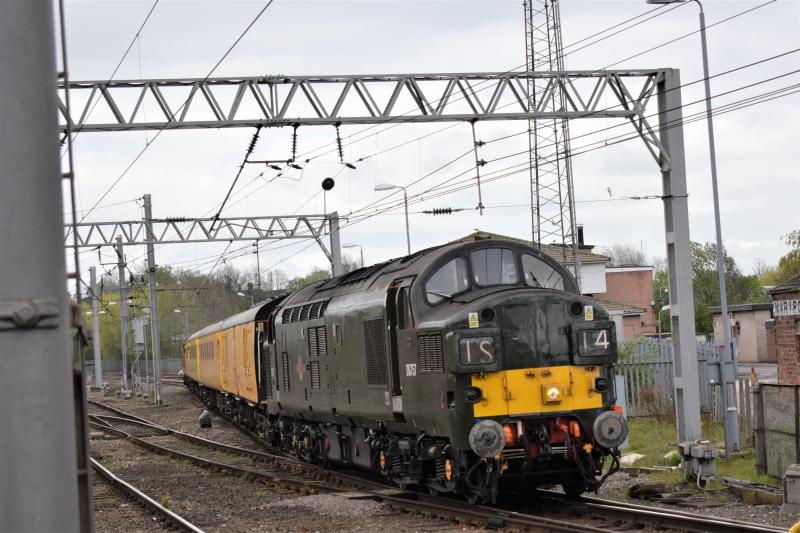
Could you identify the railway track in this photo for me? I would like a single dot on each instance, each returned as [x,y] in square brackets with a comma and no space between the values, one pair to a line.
[553,512]
[142,499]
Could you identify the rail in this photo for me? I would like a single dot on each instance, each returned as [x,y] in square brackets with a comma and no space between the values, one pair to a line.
[143,499]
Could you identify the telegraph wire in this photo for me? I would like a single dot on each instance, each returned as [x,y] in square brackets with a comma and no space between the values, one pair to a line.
[736,15]
[516,68]
[635,136]
[119,64]
[522,167]
[163,128]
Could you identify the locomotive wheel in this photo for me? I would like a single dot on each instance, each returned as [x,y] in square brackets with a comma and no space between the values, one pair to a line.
[574,487]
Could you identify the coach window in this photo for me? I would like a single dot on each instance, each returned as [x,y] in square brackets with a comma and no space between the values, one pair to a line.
[494,266]
[540,274]
[449,280]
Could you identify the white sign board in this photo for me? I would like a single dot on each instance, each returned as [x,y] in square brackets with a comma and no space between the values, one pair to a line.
[785,307]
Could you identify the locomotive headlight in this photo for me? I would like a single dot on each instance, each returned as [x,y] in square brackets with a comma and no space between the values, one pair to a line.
[553,394]
[473,394]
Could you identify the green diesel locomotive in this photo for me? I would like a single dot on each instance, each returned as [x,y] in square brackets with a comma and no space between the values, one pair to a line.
[466,368]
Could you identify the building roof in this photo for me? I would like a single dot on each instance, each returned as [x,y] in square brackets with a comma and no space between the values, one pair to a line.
[556,251]
[739,308]
[790,285]
[614,308]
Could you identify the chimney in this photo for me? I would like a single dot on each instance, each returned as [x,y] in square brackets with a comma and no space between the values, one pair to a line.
[580,234]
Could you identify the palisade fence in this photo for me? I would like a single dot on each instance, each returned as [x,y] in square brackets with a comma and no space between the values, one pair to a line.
[646,365]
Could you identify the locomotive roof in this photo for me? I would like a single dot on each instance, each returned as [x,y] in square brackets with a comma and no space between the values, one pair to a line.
[411,265]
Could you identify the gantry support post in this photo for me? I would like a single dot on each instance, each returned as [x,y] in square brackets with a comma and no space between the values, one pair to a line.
[123,313]
[151,278]
[676,222]
[98,363]
[39,468]
[336,246]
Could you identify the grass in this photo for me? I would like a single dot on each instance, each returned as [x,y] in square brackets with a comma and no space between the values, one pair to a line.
[654,439]
[165,501]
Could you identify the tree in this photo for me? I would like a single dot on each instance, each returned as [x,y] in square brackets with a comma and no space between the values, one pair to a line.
[788,265]
[623,254]
[740,288]
[661,296]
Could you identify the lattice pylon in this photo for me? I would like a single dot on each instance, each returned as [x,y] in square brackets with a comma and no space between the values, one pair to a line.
[552,194]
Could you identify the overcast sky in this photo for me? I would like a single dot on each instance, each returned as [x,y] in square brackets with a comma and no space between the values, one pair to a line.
[189,172]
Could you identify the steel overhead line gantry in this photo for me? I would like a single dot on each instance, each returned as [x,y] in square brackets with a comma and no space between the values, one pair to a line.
[226,229]
[274,101]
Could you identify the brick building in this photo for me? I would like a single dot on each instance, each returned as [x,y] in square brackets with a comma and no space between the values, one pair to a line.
[786,313]
[631,286]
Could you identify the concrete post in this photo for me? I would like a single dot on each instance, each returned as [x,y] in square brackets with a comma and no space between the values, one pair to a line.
[676,222]
[39,469]
[123,313]
[98,363]
[336,245]
[151,277]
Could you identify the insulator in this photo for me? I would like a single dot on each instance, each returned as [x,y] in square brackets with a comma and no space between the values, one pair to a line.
[294,142]
[339,144]
[443,211]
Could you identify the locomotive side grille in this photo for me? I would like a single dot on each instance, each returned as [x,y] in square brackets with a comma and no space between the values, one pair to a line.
[266,361]
[317,342]
[285,370]
[314,371]
[322,341]
[430,353]
[423,353]
[375,349]
[295,313]
[302,313]
[313,349]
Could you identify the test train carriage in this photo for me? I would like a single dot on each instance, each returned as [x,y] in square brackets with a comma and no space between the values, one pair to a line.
[464,368]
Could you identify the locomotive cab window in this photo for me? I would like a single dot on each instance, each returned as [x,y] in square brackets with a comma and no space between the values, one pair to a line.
[494,266]
[449,280]
[541,275]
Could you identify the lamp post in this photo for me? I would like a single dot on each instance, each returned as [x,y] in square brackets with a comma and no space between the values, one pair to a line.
[360,249]
[389,187]
[728,367]
[184,320]
[252,302]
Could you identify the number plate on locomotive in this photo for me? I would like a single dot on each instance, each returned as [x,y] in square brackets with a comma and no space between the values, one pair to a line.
[594,342]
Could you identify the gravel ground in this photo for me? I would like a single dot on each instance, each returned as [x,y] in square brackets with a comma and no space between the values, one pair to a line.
[232,504]
[115,514]
[219,502]
[719,503]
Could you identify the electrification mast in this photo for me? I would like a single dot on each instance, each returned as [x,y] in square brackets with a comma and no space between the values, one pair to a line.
[552,198]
